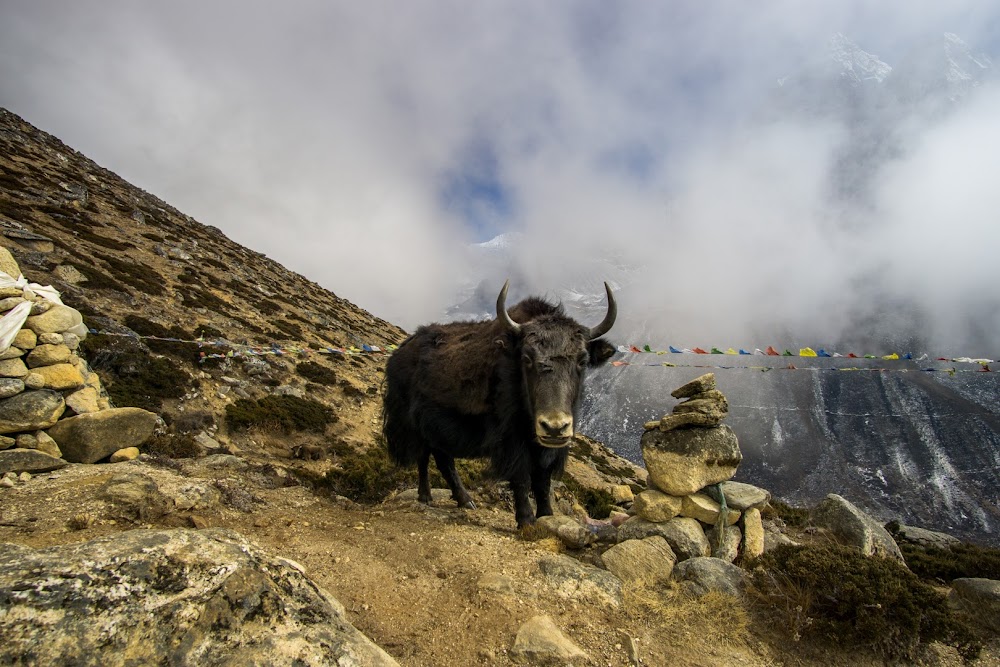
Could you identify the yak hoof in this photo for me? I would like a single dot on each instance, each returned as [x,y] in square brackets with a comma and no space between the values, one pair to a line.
[469,505]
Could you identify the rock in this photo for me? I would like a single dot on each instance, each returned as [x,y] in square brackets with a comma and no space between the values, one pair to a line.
[699,506]
[685,536]
[730,547]
[698,576]
[25,476]
[49,338]
[437,495]
[56,320]
[10,387]
[7,482]
[71,340]
[28,460]
[60,377]
[495,582]
[568,530]
[34,381]
[6,443]
[753,533]
[30,411]
[83,401]
[681,420]
[573,580]
[854,527]
[740,496]
[682,462]
[774,538]
[91,437]
[80,331]
[622,494]
[69,274]
[656,506]
[540,642]
[47,355]
[172,597]
[8,264]
[649,561]
[26,441]
[11,353]
[126,454]
[712,405]
[699,385]
[924,537]
[9,303]
[44,443]
[13,368]
[26,339]
[195,495]
[979,598]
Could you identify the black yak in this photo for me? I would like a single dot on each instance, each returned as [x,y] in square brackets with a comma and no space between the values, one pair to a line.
[507,389]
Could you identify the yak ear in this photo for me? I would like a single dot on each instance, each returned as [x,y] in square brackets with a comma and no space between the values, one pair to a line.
[600,351]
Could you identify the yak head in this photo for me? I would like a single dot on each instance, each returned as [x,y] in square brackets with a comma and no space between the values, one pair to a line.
[555,352]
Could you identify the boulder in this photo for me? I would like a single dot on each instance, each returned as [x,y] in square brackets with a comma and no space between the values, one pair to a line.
[180,597]
[83,401]
[979,598]
[91,437]
[648,561]
[26,339]
[753,533]
[45,443]
[681,462]
[729,550]
[540,642]
[60,377]
[126,454]
[854,527]
[698,576]
[28,460]
[13,368]
[574,580]
[56,319]
[47,355]
[685,536]
[656,506]
[699,506]
[30,411]
[924,537]
[8,264]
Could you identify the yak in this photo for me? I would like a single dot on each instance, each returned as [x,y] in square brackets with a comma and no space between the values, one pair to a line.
[506,389]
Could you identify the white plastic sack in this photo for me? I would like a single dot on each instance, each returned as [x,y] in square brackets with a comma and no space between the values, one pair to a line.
[13,321]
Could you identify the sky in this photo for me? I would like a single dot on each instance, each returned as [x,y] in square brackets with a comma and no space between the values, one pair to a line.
[365,145]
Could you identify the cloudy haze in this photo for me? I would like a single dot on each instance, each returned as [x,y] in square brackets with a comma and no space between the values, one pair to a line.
[365,144]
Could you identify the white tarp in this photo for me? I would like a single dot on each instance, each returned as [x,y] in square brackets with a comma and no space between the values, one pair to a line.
[14,320]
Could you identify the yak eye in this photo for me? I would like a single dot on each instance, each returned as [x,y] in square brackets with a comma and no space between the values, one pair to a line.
[582,360]
[527,361]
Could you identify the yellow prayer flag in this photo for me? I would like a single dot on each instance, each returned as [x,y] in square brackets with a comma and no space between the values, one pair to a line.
[807,352]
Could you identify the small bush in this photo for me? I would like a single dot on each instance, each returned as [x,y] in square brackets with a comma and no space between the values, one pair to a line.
[316,373]
[369,476]
[181,446]
[289,413]
[132,376]
[835,594]
[955,562]
[796,517]
[597,502]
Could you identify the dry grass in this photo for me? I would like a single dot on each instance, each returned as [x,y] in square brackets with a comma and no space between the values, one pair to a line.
[677,619]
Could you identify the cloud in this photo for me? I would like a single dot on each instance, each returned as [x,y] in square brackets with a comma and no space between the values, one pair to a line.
[341,138]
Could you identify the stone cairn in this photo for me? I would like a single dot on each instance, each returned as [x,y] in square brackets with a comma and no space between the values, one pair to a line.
[691,456]
[53,410]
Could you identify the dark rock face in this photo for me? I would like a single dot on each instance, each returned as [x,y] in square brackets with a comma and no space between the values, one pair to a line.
[178,597]
[920,447]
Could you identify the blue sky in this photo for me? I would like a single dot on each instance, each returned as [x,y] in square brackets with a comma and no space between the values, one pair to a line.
[364,144]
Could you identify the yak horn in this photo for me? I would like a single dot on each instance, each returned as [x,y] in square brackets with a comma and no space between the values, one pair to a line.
[609,319]
[502,313]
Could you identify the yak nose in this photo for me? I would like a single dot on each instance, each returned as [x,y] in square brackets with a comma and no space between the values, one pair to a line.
[558,425]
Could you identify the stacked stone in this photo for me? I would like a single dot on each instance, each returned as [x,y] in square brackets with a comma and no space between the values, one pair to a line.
[53,409]
[687,453]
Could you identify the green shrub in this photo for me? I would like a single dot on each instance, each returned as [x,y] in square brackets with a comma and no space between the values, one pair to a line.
[837,595]
[368,476]
[795,517]
[947,564]
[317,373]
[289,413]
[173,446]
[131,375]
[597,502]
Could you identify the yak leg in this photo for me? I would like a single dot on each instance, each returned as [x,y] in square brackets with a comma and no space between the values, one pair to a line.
[523,511]
[540,487]
[446,464]
[424,485]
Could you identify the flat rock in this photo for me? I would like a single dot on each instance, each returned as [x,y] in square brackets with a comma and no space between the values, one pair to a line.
[699,506]
[540,642]
[567,529]
[30,411]
[28,460]
[648,561]
[685,536]
[91,437]
[179,597]
[574,580]
[739,495]
[656,506]
[60,377]
[699,385]
[56,319]
[682,462]
[46,355]
[11,387]
[699,576]
[925,537]
[13,368]
[854,527]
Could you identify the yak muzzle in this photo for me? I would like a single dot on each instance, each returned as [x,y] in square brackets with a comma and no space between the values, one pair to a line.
[554,429]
